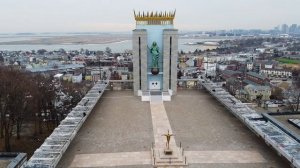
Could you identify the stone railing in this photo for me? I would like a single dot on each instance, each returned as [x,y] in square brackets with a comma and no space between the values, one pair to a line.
[15,159]
[183,84]
[51,151]
[283,143]
[120,85]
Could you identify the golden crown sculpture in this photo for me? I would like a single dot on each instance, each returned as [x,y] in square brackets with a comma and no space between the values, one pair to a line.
[157,16]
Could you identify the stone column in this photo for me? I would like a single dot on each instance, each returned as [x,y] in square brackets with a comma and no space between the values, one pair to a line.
[170,56]
[139,46]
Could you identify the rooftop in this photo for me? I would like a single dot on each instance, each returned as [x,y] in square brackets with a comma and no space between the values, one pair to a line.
[230,72]
[249,82]
[284,120]
[257,75]
[258,87]
[59,67]
[196,118]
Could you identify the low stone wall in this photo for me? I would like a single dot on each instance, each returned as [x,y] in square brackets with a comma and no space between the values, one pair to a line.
[51,151]
[284,144]
[18,159]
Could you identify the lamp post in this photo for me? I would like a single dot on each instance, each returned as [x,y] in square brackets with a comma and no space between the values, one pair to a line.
[42,119]
[99,68]
[35,123]
[240,86]
[207,62]
[48,118]
[7,145]
[58,118]
[206,66]
[240,89]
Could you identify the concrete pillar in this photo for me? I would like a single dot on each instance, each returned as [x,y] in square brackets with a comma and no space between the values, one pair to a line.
[170,53]
[139,46]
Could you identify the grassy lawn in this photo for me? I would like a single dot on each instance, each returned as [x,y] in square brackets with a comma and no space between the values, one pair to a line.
[288,61]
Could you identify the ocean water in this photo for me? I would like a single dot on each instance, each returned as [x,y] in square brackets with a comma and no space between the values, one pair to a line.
[115,46]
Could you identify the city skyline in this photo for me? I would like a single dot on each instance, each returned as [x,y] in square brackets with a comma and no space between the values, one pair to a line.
[117,16]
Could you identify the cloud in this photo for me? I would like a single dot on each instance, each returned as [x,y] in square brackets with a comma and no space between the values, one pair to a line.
[117,15]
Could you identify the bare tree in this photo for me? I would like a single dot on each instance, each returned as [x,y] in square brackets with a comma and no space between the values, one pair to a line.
[293,95]
[276,93]
[259,100]
[44,97]
[19,93]
[294,100]
[27,98]
[13,103]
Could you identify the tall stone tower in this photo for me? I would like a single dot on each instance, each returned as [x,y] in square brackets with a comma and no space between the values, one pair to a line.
[155,52]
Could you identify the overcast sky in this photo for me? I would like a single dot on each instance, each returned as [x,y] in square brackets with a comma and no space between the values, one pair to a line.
[117,15]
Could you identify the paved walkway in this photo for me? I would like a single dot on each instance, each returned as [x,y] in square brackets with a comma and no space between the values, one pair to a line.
[224,157]
[144,158]
[112,159]
[160,123]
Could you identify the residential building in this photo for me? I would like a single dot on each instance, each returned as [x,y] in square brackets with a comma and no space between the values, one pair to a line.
[226,74]
[67,77]
[249,66]
[243,57]
[257,79]
[221,66]
[77,78]
[253,91]
[233,85]
[273,72]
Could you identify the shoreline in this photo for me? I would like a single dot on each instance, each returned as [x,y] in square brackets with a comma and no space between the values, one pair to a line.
[72,43]
[68,40]
[89,39]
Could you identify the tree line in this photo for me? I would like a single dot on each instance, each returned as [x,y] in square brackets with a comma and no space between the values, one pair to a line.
[34,100]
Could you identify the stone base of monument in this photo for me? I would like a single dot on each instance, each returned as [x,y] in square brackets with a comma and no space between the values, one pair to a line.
[168,151]
[168,157]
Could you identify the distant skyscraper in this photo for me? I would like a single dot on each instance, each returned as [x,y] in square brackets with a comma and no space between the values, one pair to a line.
[155,52]
[293,28]
[285,29]
[277,28]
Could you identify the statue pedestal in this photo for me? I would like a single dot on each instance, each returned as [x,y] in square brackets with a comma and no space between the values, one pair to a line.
[168,151]
[168,157]
[155,71]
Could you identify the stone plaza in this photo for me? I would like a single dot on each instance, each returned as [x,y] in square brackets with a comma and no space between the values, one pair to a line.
[120,133]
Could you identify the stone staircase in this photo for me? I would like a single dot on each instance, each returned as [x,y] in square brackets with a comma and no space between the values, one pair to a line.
[176,160]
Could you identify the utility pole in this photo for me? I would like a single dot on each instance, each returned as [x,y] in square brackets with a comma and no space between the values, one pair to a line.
[206,66]
[100,68]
